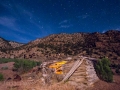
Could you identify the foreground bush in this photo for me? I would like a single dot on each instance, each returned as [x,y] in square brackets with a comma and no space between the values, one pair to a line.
[3,60]
[103,70]
[24,65]
[21,65]
[1,77]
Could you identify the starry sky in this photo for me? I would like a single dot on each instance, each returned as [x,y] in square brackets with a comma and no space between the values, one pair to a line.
[26,20]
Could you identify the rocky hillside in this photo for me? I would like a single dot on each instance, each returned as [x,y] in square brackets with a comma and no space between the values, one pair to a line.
[6,45]
[60,45]
[15,44]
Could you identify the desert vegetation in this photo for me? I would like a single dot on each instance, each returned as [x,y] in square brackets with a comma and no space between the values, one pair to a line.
[95,45]
[22,65]
[38,86]
[103,70]
[1,77]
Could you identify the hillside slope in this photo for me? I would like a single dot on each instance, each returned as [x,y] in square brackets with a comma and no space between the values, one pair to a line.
[4,44]
[15,44]
[60,45]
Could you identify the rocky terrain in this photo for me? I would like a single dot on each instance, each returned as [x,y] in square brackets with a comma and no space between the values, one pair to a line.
[15,44]
[6,45]
[95,45]
[62,47]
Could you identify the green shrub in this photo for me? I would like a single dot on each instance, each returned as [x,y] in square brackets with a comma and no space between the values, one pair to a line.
[1,77]
[4,60]
[25,64]
[103,70]
[22,65]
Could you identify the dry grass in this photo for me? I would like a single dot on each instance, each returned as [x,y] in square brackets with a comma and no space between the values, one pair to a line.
[51,87]
[60,87]
[102,85]
[38,86]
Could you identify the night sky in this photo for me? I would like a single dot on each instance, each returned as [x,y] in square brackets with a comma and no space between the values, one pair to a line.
[26,20]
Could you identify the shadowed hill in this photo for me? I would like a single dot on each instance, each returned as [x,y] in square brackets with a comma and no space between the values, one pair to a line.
[5,44]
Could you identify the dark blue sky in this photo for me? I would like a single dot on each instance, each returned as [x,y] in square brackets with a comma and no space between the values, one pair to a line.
[25,20]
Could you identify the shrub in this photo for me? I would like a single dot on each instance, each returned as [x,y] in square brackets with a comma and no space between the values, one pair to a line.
[4,60]
[22,65]
[1,77]
[103,70]
[25,64]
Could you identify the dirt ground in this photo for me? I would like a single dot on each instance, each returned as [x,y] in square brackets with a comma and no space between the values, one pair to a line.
[7,72]
[101,85]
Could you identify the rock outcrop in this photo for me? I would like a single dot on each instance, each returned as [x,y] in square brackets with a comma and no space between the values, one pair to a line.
[15,44]
[6,45]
